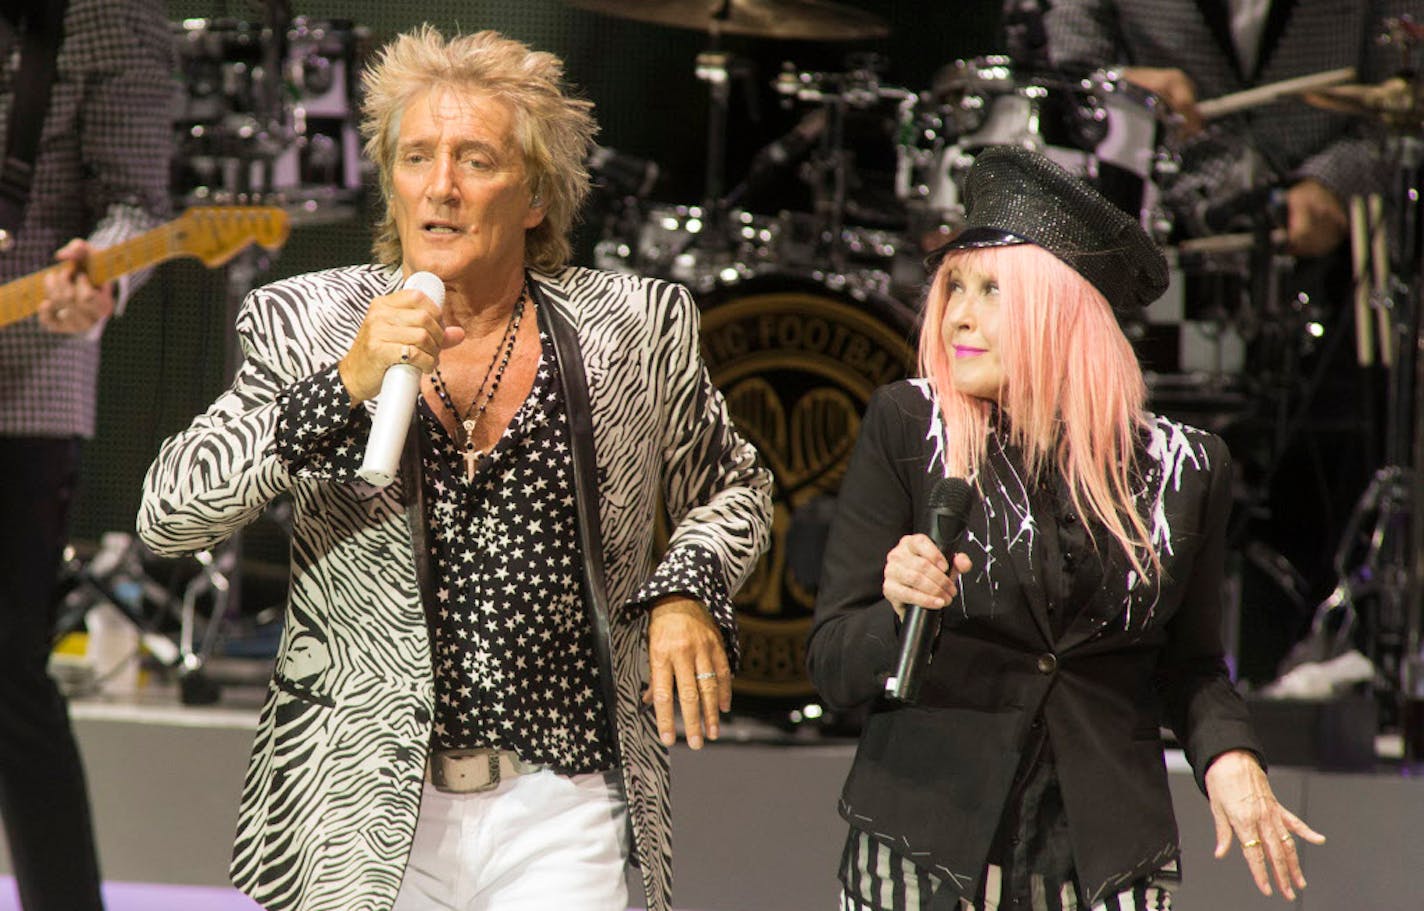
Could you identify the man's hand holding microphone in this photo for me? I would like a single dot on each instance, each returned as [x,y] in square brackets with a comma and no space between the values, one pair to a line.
[400,339]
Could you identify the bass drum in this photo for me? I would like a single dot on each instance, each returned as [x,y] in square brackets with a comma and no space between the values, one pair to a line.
[797,360]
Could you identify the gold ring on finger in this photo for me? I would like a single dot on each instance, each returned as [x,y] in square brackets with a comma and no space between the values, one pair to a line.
[1253,843]
[1286,837]
[706,675]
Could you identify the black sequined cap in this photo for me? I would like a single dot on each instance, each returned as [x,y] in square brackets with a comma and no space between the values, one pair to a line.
[1015,195]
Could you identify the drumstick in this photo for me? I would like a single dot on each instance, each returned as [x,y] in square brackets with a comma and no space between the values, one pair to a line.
[1227,243]
[1359,255]
[1379,259]
[1265,94]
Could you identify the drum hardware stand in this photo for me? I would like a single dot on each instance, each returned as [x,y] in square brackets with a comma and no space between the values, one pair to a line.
[218,578]
[1386,568]
[718,68]
[859,89]
[116,576]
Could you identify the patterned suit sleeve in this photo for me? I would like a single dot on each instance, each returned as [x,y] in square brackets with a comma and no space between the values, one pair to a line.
[319,434]
[216,476]
[127,127]
[718,494]
[689,571]
[1354,164]
[1081,34]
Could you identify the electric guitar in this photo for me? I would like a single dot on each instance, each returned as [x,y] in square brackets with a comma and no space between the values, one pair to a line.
[213,234]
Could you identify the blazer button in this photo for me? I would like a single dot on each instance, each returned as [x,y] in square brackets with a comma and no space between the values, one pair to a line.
[1047,663]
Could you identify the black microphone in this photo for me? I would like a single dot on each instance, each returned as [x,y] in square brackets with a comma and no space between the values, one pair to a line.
[1267,199]
[780,153]
[795,143]
[949,509]
[623,174]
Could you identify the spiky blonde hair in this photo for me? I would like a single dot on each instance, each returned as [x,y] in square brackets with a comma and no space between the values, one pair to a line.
[554,129]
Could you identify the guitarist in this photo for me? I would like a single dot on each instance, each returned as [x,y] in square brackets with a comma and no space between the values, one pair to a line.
[85,123]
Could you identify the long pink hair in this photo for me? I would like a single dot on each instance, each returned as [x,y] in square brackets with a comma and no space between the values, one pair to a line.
[1075,398]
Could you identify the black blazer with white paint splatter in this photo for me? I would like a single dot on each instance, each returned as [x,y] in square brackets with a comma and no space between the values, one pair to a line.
[931,780]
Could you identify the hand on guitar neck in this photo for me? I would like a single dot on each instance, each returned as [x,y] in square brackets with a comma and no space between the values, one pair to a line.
[71,302]
[75,294]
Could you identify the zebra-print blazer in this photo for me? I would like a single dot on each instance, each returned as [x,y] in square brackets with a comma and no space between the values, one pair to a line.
[330,799]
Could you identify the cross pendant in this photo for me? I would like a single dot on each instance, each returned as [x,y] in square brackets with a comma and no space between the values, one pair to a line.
[472,459]
[472,455]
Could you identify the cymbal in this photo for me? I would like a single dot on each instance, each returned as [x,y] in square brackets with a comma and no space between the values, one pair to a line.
[1394,101]
[810,20]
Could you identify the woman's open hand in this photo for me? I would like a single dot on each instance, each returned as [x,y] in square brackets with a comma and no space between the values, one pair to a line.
[1242,804]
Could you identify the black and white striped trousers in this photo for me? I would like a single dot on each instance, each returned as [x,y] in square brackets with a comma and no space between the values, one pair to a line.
[875,878]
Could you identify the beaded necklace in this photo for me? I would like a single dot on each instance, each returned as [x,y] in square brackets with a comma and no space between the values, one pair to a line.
[465,424]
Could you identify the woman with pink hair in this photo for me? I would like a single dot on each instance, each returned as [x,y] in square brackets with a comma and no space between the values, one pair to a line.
[1080,608]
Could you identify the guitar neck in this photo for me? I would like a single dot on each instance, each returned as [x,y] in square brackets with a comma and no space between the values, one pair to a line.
[22,297]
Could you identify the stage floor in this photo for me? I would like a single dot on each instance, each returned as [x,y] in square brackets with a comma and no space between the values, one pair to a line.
[755,823]
[120,896]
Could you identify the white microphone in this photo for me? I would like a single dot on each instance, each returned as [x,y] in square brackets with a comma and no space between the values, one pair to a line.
[396,402]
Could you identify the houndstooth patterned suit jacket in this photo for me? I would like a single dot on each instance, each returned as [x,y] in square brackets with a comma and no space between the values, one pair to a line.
[101,173]
[1300,37]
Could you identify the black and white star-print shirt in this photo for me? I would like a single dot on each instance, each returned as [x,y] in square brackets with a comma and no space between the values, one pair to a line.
[515,665]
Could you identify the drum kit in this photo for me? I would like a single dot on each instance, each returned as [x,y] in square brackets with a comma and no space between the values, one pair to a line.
[806,311]
[269,112]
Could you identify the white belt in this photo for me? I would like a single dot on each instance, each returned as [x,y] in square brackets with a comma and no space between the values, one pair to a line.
[472,771]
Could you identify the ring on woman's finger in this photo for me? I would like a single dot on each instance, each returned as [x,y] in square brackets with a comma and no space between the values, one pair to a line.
[1253,843]
[405,354]
[1286,837]
[706,675]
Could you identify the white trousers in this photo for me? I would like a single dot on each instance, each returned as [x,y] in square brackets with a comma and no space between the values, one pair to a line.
[538,842]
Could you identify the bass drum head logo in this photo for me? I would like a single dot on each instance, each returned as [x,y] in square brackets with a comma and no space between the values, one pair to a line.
[797,363]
